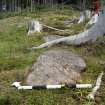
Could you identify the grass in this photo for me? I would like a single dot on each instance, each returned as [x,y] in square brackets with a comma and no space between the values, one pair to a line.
[15,59]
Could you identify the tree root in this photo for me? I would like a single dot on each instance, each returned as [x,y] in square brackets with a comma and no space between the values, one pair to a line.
[90,35]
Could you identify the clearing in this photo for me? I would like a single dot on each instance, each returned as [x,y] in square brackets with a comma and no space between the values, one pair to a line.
[15,59]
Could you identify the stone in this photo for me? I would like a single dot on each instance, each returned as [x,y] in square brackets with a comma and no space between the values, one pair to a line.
[56,67]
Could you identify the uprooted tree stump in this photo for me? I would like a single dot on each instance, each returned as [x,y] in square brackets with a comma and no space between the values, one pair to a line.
[56,67]
[90,35]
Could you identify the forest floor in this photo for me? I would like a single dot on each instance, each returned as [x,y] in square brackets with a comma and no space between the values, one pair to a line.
[15,59]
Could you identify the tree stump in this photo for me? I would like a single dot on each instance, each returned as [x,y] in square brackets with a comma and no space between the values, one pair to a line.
[34,26]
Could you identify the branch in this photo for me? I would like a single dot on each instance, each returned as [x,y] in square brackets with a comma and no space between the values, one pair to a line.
[53,28]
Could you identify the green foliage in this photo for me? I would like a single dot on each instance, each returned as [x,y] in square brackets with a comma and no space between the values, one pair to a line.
[10,100]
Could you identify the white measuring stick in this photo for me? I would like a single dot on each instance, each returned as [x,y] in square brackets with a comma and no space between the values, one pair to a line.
[84,86]
[54,86]
[19,87]
[25,88]
[96,88]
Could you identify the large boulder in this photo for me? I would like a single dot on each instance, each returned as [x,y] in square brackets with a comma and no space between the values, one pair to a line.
[56,67]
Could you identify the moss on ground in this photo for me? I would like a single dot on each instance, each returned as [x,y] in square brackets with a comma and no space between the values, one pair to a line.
[15,59]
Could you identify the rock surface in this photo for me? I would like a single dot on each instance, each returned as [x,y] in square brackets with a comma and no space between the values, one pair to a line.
[56,67]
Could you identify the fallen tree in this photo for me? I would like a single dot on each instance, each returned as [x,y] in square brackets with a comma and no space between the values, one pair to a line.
[90,35]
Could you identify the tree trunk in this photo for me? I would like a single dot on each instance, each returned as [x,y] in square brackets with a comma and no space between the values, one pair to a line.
[97,30]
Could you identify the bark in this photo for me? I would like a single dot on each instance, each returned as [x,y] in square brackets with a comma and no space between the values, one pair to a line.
[97,30]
